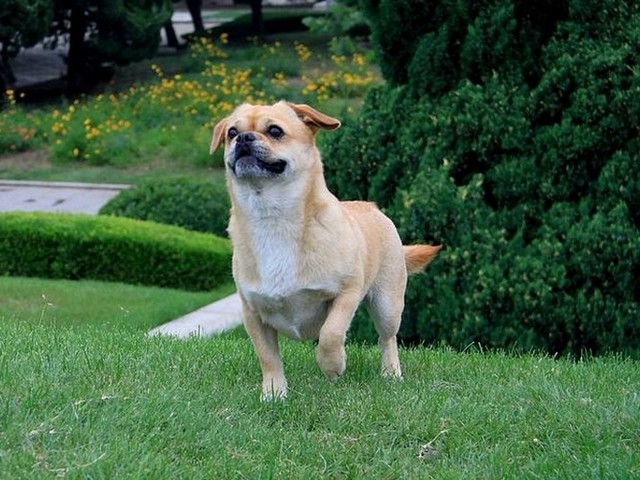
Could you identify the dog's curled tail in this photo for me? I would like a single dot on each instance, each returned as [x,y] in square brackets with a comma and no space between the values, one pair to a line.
[417,257]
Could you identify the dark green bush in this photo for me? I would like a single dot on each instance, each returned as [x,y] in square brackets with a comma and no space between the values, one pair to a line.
[273,22]
[111,249]
[524,163]
[200,205]
[432,45]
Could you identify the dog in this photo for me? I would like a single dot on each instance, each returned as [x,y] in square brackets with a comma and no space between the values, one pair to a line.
[302,260]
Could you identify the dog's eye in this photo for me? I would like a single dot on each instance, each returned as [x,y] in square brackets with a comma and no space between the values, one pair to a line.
[232,133]
[275,131]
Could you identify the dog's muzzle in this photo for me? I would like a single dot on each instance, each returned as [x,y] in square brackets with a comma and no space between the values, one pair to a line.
[251,159]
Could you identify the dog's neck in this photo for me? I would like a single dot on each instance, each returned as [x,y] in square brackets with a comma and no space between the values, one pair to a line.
[270,223]
[280,202]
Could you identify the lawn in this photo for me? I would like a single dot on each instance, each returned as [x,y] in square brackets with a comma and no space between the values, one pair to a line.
[35,165]
[78,304]
[84,393]
[113,403]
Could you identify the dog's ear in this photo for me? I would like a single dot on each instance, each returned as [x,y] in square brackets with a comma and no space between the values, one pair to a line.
[218,135]
[313,118]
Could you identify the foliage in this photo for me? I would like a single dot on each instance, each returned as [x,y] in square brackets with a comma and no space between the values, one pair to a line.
[200,205]
[111,249]
[170,119]
[342,19]
[433,45]
[345,23]
[523,163]
[100,34]
[106,32]
[243,27]
[22,24]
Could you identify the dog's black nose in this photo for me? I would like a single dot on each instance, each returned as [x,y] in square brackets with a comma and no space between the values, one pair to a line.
[245,137]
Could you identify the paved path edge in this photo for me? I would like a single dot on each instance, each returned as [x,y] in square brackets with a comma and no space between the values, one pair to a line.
[212,319]
[75,185]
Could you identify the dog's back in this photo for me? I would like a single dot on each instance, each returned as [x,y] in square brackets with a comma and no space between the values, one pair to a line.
[379,228]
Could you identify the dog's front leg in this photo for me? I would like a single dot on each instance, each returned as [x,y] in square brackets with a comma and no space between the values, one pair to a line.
[265,343]
[331,354]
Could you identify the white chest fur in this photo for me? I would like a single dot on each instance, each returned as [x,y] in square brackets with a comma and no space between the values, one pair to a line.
[282,295]
[277,253]
[286,295]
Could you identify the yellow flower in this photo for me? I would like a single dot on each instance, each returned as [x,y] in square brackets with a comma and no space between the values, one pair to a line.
[358,59]
[303,51]
[11,96]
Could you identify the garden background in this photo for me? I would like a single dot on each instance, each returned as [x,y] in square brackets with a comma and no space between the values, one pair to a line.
[505,130]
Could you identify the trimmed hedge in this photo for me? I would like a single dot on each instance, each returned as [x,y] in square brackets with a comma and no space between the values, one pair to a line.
[513,141]
[112,249]
[273,22]
[199,205]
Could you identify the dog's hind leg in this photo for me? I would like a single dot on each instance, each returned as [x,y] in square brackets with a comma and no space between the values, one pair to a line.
[385,307]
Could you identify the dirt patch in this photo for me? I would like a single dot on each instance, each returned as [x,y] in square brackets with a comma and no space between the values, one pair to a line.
[25,161]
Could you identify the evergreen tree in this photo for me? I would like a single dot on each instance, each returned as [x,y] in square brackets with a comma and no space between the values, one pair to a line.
[508,131]
[103,33]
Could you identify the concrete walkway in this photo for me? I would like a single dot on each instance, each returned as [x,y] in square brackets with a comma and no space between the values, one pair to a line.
[28,196]
[31,196]
[216,318]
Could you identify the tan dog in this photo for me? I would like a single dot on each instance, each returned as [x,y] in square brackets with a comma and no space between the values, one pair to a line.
[303,261]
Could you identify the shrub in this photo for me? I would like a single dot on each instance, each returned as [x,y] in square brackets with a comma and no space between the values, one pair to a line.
[528,172]
[111,249]
[273,22]
[199,205]
[432,45]
[341,20]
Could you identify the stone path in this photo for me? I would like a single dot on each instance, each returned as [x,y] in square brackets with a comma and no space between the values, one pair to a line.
[55,197]
[215,318]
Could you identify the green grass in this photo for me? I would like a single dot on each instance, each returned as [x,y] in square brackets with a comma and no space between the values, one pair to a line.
[96,403]
[35,166]
[101,305]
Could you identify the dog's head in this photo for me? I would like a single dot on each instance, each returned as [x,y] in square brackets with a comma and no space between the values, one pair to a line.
[266,142]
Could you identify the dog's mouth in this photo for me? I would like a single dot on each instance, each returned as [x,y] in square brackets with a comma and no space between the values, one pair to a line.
[251,163]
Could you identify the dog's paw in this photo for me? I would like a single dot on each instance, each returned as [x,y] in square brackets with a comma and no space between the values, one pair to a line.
[392,370]
[273,390]
[332,364]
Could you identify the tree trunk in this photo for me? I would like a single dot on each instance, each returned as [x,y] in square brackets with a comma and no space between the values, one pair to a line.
[195,9]
[76,58]
[7,77]
[257,24]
